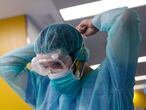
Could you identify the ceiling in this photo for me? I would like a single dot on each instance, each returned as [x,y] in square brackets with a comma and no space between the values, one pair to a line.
[44,12]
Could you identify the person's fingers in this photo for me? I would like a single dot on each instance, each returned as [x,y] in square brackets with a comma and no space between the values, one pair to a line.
[81,29]
[83,23]
[86,27]
[90,31]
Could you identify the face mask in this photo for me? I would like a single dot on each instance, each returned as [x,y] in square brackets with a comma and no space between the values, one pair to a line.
[65,83]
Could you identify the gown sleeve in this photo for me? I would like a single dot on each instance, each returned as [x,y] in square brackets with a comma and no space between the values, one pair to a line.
[14,71]
[123,42]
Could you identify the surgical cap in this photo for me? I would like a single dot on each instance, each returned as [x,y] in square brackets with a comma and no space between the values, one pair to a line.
[63,37]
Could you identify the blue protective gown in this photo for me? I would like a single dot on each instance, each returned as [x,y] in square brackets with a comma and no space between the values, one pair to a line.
[109,87]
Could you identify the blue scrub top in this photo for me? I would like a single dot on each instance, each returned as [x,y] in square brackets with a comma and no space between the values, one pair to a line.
[109,87]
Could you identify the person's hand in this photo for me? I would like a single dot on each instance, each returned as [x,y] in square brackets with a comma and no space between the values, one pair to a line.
[86,27]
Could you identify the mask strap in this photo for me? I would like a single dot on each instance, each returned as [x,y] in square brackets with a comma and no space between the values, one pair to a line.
[76,61]
[73,63]
[82,70]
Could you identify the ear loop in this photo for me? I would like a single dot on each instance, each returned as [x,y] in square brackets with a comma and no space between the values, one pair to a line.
[77,56]
[77,71]
[84,43]
[83,68]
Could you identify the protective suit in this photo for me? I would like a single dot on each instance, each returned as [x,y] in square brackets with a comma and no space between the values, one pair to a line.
[109,87]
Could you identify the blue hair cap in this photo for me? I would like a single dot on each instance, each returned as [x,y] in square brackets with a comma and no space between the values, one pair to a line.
[60,36]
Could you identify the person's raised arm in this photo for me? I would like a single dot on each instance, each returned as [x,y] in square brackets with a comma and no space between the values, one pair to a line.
[122,26]
[13,70]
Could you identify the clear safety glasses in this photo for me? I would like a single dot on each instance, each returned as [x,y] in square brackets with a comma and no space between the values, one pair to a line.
[51,63]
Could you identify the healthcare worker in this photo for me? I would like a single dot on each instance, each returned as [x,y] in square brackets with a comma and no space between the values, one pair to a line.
[60,79]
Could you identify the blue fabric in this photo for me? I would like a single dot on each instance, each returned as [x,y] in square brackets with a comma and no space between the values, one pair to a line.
[109,87]
[67,84]
[64,37]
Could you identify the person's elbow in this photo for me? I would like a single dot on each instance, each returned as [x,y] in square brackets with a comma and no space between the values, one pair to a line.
[130,17]
[131,21]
